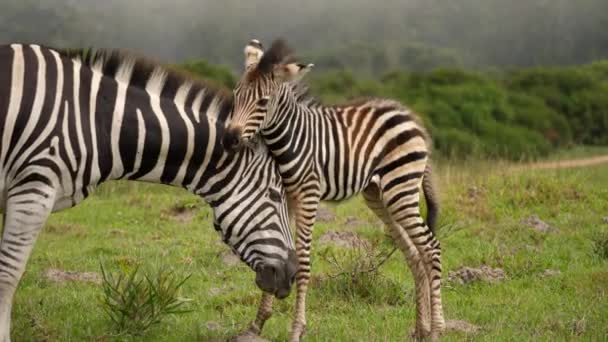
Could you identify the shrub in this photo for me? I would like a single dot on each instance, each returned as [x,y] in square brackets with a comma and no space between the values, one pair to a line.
[218,73]
[356,274]
[136,302]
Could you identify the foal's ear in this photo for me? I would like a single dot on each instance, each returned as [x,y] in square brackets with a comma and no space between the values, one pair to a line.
[292,71]
[253,53]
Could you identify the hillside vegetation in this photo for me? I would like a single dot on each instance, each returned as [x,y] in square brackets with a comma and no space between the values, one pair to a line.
[514,114]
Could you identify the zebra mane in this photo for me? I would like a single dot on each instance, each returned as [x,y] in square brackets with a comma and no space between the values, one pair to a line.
[137,71]
[303,95]
[279,52]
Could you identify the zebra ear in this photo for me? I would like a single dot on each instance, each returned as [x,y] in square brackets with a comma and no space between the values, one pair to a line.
[253,53]
[292,71]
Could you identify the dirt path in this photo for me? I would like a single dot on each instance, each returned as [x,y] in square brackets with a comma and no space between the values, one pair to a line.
[565,164]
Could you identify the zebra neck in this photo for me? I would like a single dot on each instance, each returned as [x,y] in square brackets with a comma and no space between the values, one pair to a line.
[158,139]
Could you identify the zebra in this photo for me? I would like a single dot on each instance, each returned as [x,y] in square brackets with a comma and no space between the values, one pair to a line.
[72,119]
[374,146]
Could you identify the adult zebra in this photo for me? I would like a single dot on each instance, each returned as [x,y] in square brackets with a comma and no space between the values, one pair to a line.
[373,146]
[70,120]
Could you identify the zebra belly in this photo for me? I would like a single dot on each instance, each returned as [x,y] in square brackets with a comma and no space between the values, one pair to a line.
[336,191]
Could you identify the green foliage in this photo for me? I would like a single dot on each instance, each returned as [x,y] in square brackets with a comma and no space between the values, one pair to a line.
[340,84]
[578,94]
[134,303]
[517,114]
[217,73]
[356,274]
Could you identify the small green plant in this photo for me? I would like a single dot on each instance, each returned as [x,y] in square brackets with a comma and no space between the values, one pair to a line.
[600,245]
[356,274]
[134,301]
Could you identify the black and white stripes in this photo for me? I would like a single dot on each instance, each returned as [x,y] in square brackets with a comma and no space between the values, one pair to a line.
[70,120]
[375,147]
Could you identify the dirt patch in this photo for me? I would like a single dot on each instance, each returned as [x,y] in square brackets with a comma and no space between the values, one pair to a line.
[343,239]
[354,222]
[182,214]
[117,232]
[548,273]
[476,193]
[59,276]
[579,326]
[564,164]
[214,291]
[229,258]
[248,337]
[461,326]
[325,215]
[212,325]
[605,220]
[65,229]
[537,224]
[466,275]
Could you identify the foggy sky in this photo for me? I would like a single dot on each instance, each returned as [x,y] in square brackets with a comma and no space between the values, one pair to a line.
[483,32]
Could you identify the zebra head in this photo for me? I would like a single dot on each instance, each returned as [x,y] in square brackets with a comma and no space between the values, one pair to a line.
[256,94]
[250,213]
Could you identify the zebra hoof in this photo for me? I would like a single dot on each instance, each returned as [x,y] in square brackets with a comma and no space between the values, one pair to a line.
[297,334]
[248,337]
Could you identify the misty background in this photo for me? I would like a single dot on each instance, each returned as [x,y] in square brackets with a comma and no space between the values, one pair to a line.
[512,79]
[370,36]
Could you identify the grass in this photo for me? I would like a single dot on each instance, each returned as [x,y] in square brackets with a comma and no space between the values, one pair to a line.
[128,225]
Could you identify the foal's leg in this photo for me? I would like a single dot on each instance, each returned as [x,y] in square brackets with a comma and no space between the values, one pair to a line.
[420,236]
[264,313]
[373,200]
[305,214]
[401,196]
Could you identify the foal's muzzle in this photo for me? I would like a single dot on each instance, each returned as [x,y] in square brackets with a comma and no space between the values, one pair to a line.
[232,138]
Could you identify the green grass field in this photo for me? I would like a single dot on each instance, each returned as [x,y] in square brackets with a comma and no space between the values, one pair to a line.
[128,224]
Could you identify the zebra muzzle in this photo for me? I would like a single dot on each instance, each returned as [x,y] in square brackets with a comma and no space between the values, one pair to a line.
[277,278]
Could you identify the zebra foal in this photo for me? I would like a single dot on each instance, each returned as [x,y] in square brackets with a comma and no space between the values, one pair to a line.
[371,146]
[70,120]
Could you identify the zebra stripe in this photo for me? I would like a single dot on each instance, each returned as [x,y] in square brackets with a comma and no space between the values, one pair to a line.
[371,146]
[70,120]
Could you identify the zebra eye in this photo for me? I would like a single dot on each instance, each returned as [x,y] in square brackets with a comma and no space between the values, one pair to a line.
[274,195]
[263,102]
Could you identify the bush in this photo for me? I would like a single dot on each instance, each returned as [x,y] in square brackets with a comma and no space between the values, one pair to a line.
[135,302]
[218,73]
[576,94]
[456,144]
[356,274]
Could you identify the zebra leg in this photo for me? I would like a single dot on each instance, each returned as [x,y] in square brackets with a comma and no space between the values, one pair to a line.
[305,214]
[414,260]
[402,202]
[28,206]
[264,313]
